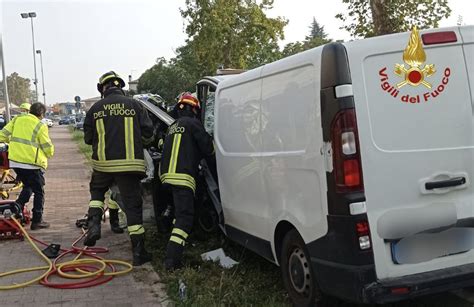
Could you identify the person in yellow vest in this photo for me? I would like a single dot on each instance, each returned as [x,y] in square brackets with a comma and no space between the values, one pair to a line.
[29,150]
[25,108]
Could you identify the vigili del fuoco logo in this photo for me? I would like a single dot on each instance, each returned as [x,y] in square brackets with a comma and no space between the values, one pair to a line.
[414,73]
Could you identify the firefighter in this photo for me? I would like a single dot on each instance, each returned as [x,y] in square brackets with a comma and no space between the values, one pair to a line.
[25,108]
[117,127]
[185,145]
[29,150]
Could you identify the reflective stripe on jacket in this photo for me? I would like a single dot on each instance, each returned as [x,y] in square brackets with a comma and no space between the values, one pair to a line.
[28,140]
[117,127]
[185,145]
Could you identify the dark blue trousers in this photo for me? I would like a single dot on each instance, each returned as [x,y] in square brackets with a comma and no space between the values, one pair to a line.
[33,183]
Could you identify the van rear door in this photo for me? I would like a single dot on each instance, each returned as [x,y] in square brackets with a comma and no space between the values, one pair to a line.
[414,108]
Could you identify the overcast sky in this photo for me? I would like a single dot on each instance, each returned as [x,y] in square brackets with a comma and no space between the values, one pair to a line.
[80,40]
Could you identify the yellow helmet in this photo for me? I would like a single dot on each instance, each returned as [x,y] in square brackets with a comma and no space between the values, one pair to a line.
[110,76]
[25,105]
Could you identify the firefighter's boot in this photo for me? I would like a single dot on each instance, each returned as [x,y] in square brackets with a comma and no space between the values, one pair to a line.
[114,221]
[174,255]
[94,218]
[140,254]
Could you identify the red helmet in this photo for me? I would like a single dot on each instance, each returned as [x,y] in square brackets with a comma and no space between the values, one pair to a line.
[189,100]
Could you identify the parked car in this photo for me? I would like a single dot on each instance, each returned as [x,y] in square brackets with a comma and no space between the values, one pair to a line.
[48,122]
[63,121]
[67,120]
[79,125]
[72,120]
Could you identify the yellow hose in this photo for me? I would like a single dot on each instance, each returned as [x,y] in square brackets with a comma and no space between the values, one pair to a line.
[102,262]
[49,267]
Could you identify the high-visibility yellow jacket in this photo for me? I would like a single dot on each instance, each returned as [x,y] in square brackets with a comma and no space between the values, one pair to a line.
[28,140]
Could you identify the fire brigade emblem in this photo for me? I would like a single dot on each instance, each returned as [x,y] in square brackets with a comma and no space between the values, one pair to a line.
[414,56]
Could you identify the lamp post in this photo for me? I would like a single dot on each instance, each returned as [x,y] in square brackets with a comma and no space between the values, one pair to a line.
[42,75]
[31,15]
[5,86]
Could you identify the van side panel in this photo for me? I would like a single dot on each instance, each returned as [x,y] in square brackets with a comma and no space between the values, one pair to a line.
[293,168]
[238,141]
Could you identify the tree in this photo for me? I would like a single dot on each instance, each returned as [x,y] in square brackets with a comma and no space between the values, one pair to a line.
[379,17]
[232,33]
[316,37]
[165,78]
[18,89]
[293,48]
[316,31]
[268,53]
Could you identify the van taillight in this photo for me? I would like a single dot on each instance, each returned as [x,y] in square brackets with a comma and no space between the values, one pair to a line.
[346,152]
[439,38]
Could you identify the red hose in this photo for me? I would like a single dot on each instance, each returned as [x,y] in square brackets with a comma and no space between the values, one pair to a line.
[74,250]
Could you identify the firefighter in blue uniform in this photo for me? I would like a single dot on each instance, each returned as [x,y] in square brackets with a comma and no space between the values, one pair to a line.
[117,127]
[186,143]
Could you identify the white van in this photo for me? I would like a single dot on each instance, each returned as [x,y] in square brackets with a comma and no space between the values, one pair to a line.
[350,165]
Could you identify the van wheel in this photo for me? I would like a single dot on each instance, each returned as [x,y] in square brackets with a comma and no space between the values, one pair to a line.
[298,276]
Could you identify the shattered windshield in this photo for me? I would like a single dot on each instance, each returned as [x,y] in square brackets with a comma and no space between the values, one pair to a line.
[209,116]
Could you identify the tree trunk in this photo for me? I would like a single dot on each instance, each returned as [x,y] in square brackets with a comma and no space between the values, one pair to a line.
[380,17]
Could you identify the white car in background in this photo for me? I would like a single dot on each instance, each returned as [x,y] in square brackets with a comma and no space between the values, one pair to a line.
[48,122]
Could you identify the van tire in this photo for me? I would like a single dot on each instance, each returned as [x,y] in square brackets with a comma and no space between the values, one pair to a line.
[301,286]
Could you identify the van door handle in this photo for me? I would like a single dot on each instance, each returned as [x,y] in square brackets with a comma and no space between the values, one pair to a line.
[453,182]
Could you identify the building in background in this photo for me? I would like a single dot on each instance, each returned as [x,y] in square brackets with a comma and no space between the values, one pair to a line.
[14,109]
[132,85]
[89,102]
[65,108]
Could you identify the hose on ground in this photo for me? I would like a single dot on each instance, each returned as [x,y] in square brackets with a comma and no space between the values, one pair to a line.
[86,269]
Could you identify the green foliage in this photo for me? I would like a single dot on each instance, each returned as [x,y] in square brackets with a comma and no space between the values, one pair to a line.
[167,79]
[232,33]
[253,282]
[78,137]
[316,37]
[228,33]
[267,54]
[316,31]
[18,89]
[379,17]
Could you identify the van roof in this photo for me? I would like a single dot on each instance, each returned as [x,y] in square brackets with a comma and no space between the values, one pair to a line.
[382,39]
[215,79]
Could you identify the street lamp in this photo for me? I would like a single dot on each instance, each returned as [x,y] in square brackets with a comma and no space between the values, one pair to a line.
[42,75]
[5,86]
[31,15]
